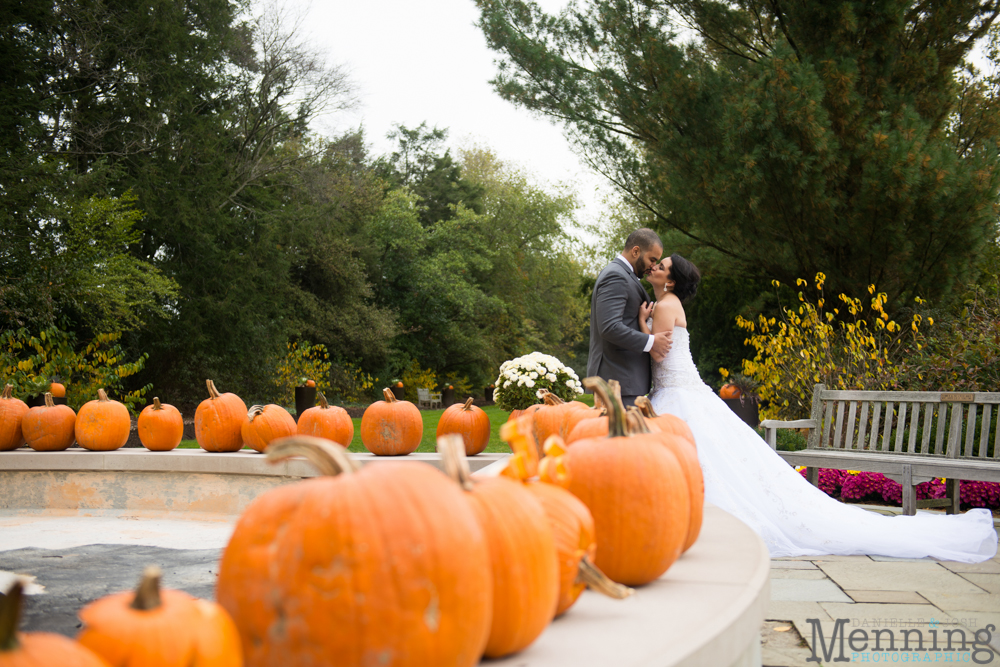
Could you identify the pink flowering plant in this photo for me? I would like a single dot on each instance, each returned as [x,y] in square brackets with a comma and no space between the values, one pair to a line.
[858,486]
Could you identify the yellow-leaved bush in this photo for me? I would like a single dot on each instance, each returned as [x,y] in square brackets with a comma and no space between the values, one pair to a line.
[851,346]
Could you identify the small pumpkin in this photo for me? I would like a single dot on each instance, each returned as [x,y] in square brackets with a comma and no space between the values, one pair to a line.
[391,427]
[36,649]
[311,566]
[515,414]
[636,490]
[730,391]
[57,389]
[666,423]
[310,383]
[399,385]
[218,421]
[327,421]
[49,427]
[468,421]
[160,426]
[12,411]
[522,553]
[155,627]
[265,423]
[102,425]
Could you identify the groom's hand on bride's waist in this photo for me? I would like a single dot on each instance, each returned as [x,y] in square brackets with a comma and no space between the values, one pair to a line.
[661,345]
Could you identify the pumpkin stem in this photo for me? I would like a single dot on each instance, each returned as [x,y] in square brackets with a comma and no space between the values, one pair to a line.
[254,411]
[389,396]
[468,405]
[323,403]
[10,616]
[587,573]
[452,450]
[328,457]
[156,403]
[147,595]
[213,393]
[8,391]
[49,403]
[102,396]
[617,426]
[646,406]
[552,399]
[636,422]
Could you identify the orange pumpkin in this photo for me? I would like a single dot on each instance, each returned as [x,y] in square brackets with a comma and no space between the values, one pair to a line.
[515,414]
[36,649]
[160,628]
[730,391]
[160,426]
[265,423]
[522,553]
[666,423]
[102,425]
[311,575]
[391,427]
[327,421]
[553,417]
[310,383]
[469,422]
[12,411]
[594,427]
[687,456]
[57,389]
[218,421]
[636,490]
[49,427]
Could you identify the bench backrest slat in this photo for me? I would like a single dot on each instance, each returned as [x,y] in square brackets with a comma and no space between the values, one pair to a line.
[851,416]
[900,428]
[984,431]
[955,432]
[862,425]
[838,432]
[996,441]
[942,412]
[825,441]
[873,443]
[970,429]
[887,429]
[911,446]
[926,437]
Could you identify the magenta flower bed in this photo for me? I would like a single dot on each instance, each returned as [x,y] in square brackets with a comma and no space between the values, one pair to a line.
[875,485]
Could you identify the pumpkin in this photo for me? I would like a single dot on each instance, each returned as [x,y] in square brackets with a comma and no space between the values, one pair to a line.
[12,411]
[666,423]
[57,389]
[594,427]
[571,522]
[327,421]
[160,426]
[469,422]
[515,414]
[218,421]
[102,425]
[49,427]
[36,649]
[687,456]
[265,423]
[399,385]
[159,628]
[522,553]
[310,383]
[730,391]
[555,415]
[358,567]
[391,427]
[636,490]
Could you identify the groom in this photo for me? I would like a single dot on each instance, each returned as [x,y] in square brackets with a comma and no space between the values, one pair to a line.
[618,349]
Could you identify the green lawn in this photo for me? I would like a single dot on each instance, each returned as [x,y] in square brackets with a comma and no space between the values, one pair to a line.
[431,418]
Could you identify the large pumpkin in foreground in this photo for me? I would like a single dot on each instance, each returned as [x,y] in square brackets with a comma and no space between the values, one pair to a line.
[159,628]
[36,649]
[637,492]
[386,565]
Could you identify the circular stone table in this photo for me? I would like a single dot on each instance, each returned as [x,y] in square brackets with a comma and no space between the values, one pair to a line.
[86,523]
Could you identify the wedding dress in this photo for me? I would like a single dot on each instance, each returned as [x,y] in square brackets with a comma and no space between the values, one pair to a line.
[746,478]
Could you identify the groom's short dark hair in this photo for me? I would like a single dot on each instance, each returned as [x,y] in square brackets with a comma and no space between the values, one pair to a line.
[645,238]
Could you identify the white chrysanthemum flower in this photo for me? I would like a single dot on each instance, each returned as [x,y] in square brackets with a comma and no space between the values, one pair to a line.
[551,377]
[506,384]
[569,383]
[529,383]
[533,375]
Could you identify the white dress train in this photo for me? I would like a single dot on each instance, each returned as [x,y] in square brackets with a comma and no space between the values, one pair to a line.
[746,478]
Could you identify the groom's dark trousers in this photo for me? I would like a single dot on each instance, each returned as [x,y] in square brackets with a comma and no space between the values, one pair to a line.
[616,342]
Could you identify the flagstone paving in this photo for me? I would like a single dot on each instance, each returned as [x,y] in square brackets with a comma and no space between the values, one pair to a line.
[940,599]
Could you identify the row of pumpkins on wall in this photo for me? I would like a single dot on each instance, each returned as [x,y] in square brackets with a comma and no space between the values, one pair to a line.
[404,565]
[224,424]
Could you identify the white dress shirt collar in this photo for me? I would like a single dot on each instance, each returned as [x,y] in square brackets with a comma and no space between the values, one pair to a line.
[626,262]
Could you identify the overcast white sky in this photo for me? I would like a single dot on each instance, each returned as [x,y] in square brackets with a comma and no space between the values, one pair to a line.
[424,60]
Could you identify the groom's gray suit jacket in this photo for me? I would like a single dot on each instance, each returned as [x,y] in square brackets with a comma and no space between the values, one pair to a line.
[616,342]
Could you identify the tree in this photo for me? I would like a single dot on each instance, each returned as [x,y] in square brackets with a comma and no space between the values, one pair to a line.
[791,136]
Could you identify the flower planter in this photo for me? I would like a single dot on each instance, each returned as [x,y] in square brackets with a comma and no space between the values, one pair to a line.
[399,393]
[305,398]
[488,393]
[447,396]
[38,401]
[747,409]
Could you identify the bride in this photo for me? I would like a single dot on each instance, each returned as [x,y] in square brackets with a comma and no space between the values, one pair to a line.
[746,478]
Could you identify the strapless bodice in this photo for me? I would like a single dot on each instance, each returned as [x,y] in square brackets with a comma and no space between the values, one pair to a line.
[677,370]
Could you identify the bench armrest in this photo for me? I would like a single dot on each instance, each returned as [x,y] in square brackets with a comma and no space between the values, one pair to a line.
[771,427]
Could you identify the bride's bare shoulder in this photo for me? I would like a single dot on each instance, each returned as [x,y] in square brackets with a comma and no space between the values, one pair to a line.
[669,313]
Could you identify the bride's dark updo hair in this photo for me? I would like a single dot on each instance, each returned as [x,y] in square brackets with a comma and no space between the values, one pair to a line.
[685,276]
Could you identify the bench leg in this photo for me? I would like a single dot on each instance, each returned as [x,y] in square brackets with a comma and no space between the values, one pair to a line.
[909,492]
[812,476]
[954,494]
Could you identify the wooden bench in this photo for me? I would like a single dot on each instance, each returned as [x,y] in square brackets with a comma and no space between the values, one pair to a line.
[428,399]
[908,436]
